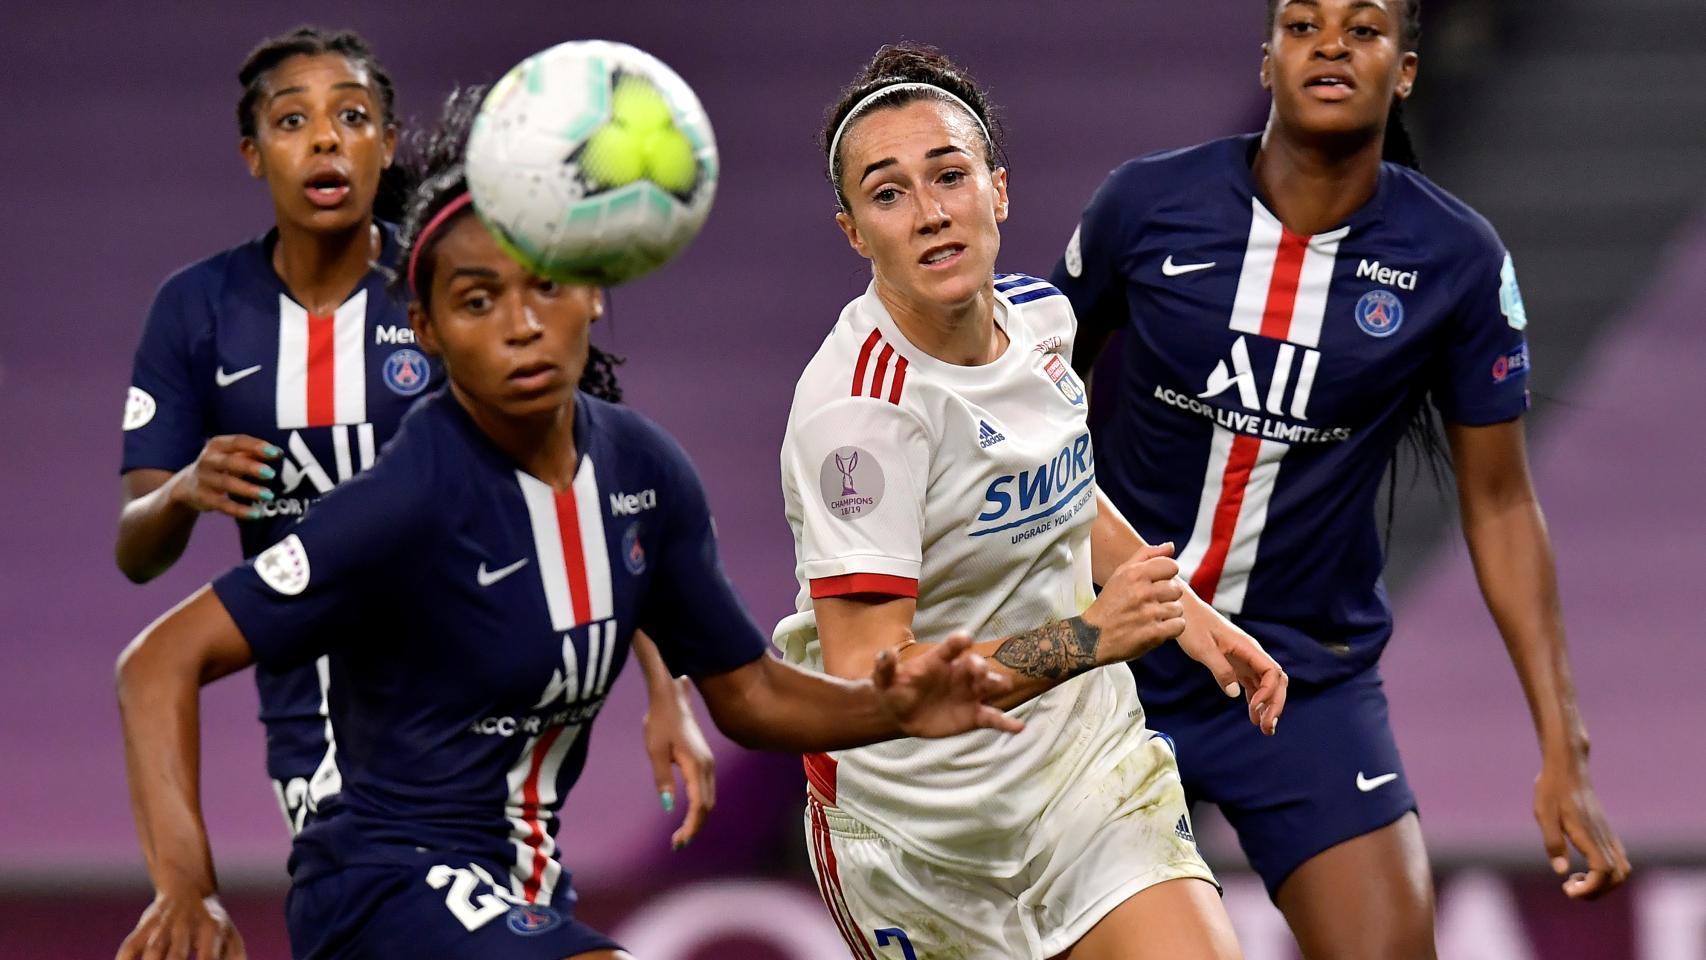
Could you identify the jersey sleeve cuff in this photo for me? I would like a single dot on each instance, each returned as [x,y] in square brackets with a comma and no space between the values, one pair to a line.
[853,583]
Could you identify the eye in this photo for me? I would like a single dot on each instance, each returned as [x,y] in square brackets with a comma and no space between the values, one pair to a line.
[1365,32]
[952,177]
[476,302]
[354,116]
[1298,28]
[886,195]
[291,121]
[547,286]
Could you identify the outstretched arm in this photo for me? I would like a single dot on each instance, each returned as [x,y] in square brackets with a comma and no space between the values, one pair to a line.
[161,507]
[673,739]
[160,676]
[1506,534]
[770,705]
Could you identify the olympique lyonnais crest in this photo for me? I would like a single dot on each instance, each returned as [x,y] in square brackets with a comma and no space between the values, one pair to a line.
[1064,378]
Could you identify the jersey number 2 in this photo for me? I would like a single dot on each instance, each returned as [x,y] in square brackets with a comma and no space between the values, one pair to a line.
[899,936]
[474,911]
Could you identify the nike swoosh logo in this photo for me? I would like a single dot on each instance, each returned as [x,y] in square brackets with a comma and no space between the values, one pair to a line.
[1365,785]
[489,577]
[226,379]
[1171,269]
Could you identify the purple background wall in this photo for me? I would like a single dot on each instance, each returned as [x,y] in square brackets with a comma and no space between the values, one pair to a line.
[121,165]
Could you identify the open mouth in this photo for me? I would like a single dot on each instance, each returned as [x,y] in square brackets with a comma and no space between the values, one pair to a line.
[327,189]
[942,256]
[1330,86]
[533,376]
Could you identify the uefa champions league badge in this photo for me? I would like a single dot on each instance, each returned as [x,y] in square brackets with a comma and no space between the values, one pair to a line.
[532,919]
[139,408]
[851,482]
[633,554]
[406,372]
[284,566]
[1510,296]
[1380,313]
[1074,259]
[1064,378]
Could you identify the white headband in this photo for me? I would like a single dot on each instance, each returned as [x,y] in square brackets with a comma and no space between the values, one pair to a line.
[873,96]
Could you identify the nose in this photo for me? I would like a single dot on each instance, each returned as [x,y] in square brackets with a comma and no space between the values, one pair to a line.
[932,216]
[325,135]
[1332,46]
[522,324]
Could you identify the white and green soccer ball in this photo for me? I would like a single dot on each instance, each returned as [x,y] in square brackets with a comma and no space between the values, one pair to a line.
[592,162]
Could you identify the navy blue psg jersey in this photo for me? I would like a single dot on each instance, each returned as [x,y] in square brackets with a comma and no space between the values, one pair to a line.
[475,620]
[1263,380]
[226,350]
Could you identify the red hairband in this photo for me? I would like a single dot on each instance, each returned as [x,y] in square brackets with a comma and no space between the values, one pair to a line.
[450,210]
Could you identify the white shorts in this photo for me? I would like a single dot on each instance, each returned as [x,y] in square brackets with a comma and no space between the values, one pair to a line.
[1093,853]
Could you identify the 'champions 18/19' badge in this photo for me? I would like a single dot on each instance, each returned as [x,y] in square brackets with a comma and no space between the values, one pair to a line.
[851,482]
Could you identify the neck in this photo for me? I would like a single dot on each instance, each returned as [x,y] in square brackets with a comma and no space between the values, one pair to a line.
[1315,187]
[542,444]
[321,269]
[964,334]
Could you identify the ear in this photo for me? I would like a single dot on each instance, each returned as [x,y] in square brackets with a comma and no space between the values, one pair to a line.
[251,153]
[390,145]
[1407,68]
[597,305]
[425,333]
[1267,67]
[845,221]
[998,179]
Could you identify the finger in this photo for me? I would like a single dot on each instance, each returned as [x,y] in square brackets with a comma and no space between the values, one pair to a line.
[1171,628]
[245,465]
[235,486]
[663,777]
[1224,676]
[1158,569]
[253,446]
[696,810]
[208,942]
[1587,886]
[1272,692]
[1588,842]
[132,946]
[234,948]
[1149,550]
[990,718]
[1552,837]
[708,783]
[882,674]
[955,645]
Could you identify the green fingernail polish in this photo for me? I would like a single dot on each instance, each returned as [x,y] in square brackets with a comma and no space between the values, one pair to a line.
[254,513]
[266,472]
[668,800]
[266,495]
[270,451]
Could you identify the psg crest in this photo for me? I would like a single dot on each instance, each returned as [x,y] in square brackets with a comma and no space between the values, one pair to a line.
[406,372]
[1380,313]
[633,553]
[528,919]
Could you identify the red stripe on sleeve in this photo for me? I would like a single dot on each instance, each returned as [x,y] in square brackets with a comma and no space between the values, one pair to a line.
[882,370]
[864,358]
[899,380]
[820,773]
[851,583]
[574,557]
[1239,463]
[1282,289]
[322,370]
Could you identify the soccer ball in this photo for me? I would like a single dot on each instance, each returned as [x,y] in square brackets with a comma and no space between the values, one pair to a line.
[592,162]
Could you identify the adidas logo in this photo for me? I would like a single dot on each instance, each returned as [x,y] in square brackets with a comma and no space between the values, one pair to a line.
[1182,829]
[988,436]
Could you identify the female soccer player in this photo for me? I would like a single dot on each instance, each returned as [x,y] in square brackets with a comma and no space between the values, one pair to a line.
[937,471]
[477,593]
[273,371]
[1288,300]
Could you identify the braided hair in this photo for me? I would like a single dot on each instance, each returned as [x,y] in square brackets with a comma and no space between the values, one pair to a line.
[434,160]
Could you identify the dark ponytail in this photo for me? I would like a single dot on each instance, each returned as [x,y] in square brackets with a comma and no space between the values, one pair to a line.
[431,171]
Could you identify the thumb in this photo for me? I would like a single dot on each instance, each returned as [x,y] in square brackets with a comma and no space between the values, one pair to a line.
[882,675]
[1552,835]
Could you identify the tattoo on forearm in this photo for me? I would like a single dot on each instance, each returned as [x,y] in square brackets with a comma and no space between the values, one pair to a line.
[1054,651]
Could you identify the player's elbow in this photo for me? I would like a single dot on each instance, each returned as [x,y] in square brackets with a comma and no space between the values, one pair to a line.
[133,571]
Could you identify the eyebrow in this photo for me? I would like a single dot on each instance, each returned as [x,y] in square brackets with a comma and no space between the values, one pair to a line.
[1358,5]
[341,85]
[928,155]
[482,273]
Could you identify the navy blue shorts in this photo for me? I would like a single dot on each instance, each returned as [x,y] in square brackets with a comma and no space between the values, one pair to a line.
[1331,773]
[444,907]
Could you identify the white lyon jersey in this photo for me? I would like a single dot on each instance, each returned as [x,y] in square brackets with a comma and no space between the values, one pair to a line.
[973,490]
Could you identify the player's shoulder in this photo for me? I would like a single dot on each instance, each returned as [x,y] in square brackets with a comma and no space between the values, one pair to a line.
[1036,309]
[643,448]
[1163,172]
[1437,215]
[205,278]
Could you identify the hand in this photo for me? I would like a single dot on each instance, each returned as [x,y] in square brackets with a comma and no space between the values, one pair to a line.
[177,926]
[224,470]
[1237,661]
[673,737]
[1138,608]
[941,692]
[1567,808]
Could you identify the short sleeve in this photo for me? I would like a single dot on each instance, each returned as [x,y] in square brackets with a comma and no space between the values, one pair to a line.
[1090,272]
[860,467]
[311,593]
[691,610]
[165,420]
[1483,374]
